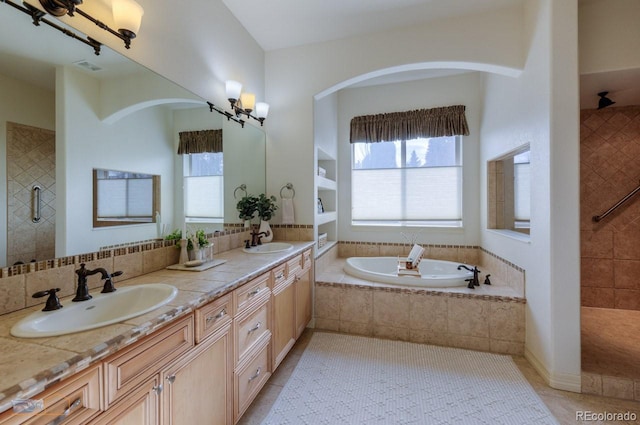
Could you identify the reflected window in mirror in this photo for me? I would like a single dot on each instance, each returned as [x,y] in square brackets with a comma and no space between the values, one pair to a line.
[204,187]
[124,197]
[509,191]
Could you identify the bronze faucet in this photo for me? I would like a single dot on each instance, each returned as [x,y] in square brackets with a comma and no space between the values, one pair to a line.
[82,292]
[257,236]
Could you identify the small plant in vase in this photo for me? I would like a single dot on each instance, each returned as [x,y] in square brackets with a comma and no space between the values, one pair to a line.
[247,207]
[266,207]
[196,245]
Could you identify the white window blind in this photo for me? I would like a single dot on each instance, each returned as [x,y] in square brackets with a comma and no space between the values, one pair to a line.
[414,182]
[121,198]
[411,194]
[204,197]
[204,187]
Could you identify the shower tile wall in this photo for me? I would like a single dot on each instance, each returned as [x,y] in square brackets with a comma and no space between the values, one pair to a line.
[30,161]
[610,169]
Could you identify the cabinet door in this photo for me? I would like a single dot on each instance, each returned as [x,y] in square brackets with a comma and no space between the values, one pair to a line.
[198,388]
[284,326]
[140,407]
[74,401]
[303,311]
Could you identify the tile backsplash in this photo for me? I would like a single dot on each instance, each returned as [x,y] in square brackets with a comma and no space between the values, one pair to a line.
[18,283]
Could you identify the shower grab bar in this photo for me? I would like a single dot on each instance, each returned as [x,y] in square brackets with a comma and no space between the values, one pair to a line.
[36,192]
[597,218]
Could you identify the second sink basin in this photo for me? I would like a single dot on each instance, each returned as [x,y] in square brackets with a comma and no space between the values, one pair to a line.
[103,309]
[268,248]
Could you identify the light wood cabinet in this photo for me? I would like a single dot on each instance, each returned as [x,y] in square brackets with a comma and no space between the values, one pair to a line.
[140,407]
[291,305]
[128,368]
[205,367]
[74,401]
[284,327]
[303,311]
[198,387]
[250,376]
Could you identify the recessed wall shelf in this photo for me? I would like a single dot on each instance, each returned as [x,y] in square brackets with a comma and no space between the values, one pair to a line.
[326,188]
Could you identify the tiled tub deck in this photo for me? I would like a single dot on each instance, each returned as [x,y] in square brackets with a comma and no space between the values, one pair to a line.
[488,318]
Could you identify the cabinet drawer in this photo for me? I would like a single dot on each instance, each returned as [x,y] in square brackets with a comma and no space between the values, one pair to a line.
[130,367]
[294,265]
[74,401]
[279,275]
[250,379]
[213,316]
[250,328]
[246,295]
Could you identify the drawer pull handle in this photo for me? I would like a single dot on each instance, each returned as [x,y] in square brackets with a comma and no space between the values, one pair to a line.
[255,328]
[157,389]
[66,413]
[254,292]
[280,276]
[217,316]
[255,375]
[298,278]
[171,378]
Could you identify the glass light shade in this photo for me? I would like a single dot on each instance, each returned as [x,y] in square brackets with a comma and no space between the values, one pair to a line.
[248,101]
[233,89]
[262,109]
[127,15]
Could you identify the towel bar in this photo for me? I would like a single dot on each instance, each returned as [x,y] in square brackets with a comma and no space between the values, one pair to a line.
[288,186]
[242,187]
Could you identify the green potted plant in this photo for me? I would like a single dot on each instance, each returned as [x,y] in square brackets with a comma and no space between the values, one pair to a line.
[266,207]
[247,206]
[196,244]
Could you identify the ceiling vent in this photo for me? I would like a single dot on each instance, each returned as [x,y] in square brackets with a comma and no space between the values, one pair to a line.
[88,66]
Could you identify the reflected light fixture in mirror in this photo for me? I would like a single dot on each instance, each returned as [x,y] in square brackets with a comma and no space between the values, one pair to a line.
[244,103]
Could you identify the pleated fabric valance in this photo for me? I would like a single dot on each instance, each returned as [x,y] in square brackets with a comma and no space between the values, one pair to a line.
[200,141]
[420,123]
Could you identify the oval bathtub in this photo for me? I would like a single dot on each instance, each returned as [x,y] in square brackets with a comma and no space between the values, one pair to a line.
[433,273]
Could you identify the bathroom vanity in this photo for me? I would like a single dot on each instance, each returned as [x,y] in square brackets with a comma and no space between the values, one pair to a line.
[202,361]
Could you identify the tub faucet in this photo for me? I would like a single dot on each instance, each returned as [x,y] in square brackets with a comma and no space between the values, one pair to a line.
[82,292]
[474,281]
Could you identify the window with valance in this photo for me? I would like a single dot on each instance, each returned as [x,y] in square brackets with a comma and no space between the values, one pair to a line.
[407,167]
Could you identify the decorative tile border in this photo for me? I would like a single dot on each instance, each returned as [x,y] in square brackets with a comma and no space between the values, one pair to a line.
[507,262]
[433,292]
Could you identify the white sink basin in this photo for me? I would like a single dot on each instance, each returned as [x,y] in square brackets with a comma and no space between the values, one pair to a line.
[269,248]
[101,310]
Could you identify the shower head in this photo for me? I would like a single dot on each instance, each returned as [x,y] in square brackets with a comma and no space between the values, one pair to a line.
[604,101]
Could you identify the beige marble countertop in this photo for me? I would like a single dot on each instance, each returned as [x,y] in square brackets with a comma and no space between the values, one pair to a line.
[29,365]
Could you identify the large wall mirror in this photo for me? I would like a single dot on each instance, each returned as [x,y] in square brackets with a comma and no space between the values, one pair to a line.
[65,112]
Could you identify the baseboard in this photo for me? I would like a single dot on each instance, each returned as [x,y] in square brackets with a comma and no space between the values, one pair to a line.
[562,381]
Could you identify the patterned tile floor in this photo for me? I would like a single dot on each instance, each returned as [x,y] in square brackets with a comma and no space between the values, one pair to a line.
[562,404]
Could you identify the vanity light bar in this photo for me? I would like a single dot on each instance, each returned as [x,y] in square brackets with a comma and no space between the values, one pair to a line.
[38,16]
[227,114]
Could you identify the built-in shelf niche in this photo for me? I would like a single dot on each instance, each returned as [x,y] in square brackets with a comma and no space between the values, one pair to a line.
[327,191]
